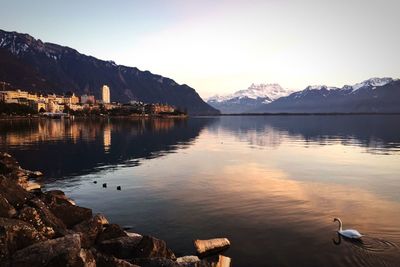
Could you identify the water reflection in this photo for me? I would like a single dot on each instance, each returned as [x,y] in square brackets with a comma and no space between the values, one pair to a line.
[64,148]
[107,138]
[270,184]
[378,133]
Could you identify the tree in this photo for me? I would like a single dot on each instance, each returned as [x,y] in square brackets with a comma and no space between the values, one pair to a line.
[16,109]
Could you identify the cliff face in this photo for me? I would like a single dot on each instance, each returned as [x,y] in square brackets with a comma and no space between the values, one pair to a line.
[33,65]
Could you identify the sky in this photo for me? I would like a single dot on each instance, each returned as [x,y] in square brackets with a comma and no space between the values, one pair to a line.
[221,46]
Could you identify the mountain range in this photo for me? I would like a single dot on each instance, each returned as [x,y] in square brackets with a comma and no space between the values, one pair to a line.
[248,100]
[375,95]
[30,64]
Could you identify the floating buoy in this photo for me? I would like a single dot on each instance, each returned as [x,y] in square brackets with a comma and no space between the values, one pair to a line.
[95,182]
[119,187]
[105,185]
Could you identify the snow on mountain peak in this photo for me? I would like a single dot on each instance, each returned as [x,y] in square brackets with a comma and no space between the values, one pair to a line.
[270,91]
[372,82]
[320,87]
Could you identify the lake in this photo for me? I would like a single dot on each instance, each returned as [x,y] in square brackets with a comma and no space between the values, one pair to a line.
[271,184]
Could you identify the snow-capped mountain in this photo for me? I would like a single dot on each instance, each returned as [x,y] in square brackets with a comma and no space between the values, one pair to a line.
[372,95]
[373,82]
[248,99]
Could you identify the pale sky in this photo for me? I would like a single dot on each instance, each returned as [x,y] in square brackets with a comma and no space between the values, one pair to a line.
[220,46]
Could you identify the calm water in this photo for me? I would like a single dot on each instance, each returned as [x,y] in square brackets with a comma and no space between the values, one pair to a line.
[272,184]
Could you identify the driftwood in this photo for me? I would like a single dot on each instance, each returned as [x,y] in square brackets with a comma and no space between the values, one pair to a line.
[206,247]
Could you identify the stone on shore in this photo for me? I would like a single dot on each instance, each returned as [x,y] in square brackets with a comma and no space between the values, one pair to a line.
[35,174]
[47,229]
[48,218]
[188,261]
[31,186]
[86,258]
[133,234]
[60,195]
[121,247]
[100,218]
[32,216]
[103,260]
[210,246]
[155,262]
[150,247]
[89,230]
[194,261]
[13,192]
[69,213]
[214,261]
[223,261]
[6,209]
[16,235]
[7,163]
[63,251]
[111,231]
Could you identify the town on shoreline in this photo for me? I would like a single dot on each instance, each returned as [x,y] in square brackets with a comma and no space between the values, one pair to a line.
[17,102]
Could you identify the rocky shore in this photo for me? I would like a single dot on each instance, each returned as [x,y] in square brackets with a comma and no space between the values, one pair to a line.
[39,228]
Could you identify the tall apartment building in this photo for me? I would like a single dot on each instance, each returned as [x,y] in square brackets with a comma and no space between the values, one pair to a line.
[105,93]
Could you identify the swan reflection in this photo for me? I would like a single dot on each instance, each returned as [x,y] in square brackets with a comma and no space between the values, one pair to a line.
[338,240]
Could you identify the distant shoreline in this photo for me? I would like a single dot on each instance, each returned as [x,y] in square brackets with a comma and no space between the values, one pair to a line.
[22,117]
[302,114]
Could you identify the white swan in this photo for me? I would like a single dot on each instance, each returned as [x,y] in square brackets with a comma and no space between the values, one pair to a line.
[349,233]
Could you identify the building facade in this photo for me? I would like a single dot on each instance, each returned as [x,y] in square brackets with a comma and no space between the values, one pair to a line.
[105,93]
[15,96]
[159,108]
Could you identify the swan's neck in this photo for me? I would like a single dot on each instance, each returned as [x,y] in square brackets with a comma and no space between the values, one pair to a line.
[340,225]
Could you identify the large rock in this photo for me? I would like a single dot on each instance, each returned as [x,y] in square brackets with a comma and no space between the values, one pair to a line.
[156,262]
[111,231]
[14,193]
[15,235]
[63,251]
[101,219]
[48,218]
[86,258]
[20,176]
[7,164]
[35,174]
[188,261]
[67,212]
[6,209]
[121,247]
[10,168]
[32,186]
[60,195]
[103,260]
[32,216]
[150,247]
[90,229]
[215,261]
[210,246]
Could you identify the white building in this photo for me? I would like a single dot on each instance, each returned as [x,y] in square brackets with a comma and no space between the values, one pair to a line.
[105,92]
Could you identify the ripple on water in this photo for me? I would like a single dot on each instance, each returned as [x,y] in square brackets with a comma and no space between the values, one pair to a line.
[368,251]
